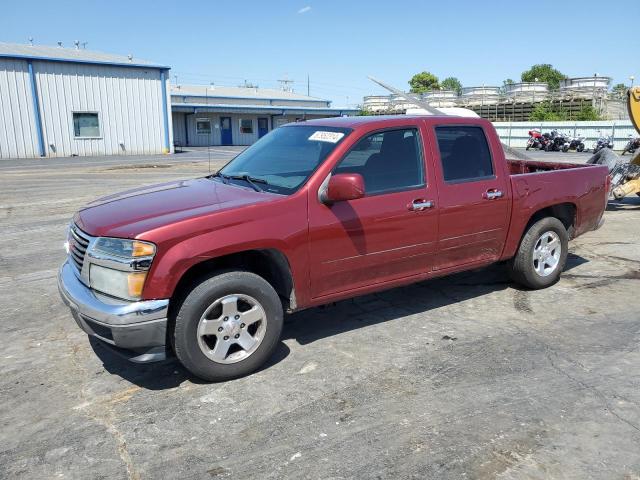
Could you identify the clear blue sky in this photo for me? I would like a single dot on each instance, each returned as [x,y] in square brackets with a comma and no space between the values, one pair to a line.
[339,43]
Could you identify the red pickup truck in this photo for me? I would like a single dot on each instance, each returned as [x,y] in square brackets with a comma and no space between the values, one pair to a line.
[315,212]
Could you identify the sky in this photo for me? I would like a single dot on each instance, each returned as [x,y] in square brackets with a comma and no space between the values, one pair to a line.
[337,44]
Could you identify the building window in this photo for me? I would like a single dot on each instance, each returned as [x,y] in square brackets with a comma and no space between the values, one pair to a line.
[86,125]
[246,125]
[203,126]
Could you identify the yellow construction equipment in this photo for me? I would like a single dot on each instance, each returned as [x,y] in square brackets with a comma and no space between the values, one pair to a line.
[630,183]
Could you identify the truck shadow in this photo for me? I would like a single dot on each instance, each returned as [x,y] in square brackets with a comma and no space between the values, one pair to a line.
[627,203]
[308,326]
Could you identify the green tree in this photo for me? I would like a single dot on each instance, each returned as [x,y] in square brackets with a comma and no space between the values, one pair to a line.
[546,111]
[452,83]
[544,73]
[508,81]
[587,112]
[620,89]
[423,82]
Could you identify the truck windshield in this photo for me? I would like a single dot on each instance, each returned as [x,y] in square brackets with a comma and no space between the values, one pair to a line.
[283,160]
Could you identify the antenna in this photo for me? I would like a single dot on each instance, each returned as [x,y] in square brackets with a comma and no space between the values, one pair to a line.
[84,45]
[285,82]
[60,44]
[130,57]
[77,44]
[31,41]
[409,97]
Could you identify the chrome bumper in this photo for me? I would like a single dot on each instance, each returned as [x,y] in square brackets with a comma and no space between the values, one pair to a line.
[138,327]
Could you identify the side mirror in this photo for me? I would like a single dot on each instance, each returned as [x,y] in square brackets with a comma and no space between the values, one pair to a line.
[344,186]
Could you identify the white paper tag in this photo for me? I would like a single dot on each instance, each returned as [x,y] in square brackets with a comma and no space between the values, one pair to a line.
[331,137]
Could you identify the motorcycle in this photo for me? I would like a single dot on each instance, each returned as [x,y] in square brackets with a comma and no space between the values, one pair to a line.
[576,143]
[603,142]
[632,145]
[534,139]
[557,141]
[545,140]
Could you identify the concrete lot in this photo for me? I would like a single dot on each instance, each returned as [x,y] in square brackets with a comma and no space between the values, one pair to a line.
[463,377]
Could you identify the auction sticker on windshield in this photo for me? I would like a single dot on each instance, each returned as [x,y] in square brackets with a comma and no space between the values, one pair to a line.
[322,136]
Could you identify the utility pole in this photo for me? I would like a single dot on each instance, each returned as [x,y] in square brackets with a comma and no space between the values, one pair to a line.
[308,94]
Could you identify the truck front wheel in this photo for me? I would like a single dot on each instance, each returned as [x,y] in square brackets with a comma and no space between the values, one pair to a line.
[228,326]
[542,254]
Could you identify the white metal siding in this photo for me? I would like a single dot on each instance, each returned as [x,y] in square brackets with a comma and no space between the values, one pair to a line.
[18,136]
[516,134]
[128,102]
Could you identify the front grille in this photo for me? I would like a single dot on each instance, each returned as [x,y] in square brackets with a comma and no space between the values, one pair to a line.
[78,243]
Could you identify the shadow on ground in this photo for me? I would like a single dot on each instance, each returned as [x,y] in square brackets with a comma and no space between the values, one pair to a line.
[308,326]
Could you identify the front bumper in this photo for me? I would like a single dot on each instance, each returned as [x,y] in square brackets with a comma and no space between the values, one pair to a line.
[138,330]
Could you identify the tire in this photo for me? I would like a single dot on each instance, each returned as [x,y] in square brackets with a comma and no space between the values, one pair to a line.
[243,295]
[528,147]
[580,148]
[531,273]
[565,148]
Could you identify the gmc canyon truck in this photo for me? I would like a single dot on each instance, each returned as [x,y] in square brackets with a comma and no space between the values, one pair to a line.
[312,213]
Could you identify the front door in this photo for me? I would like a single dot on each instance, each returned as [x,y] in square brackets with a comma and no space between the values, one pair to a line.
[388,234]
[473,198]
[226,137]
[263,127]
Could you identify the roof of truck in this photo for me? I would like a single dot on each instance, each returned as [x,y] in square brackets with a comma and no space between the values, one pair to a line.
[387,120]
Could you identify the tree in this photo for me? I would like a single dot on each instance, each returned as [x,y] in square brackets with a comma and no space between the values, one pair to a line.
[546,111]
[620,89]
[587,112]
[423,82]
[452,83]
[508,81]
[544,73]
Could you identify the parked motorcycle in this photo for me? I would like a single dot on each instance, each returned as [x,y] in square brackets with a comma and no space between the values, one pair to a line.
[603,142]
[632,145]
[534,139]
[557,141]
[575,143]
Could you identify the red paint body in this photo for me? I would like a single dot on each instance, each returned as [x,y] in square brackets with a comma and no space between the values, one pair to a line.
[357,246]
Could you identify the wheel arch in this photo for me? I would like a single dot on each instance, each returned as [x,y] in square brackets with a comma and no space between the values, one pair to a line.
[269,263]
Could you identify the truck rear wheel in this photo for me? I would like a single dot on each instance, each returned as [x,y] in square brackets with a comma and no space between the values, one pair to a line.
[228,326]
[542,254]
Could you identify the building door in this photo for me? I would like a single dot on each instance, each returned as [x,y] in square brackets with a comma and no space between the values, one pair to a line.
[226,137]
[263,127]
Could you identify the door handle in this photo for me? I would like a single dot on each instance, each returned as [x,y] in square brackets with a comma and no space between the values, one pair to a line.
[419,205]
[492,194]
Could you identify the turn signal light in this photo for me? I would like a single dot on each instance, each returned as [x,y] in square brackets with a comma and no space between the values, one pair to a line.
[143,249]
[135,283]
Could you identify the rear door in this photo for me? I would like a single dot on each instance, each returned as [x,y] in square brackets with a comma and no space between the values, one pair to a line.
[388,234]
[473,197]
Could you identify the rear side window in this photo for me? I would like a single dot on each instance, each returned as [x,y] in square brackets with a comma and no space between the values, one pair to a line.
[389,161]
[464,153]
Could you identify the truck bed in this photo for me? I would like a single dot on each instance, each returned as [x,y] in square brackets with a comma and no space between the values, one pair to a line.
[520,167]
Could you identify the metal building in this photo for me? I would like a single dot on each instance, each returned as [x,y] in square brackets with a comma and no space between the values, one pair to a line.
[58,101]
[213,115]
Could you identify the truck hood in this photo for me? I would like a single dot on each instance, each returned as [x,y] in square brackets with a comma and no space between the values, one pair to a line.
[130,213]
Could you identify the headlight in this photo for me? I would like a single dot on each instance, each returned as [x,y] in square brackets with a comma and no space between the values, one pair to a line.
[125,248]
[118,266]
[117,283]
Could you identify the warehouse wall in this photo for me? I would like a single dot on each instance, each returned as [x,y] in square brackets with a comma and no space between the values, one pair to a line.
[128,102]
[196,140]
[18,136]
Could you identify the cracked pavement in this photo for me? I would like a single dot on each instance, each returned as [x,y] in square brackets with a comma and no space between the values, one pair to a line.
[460,377]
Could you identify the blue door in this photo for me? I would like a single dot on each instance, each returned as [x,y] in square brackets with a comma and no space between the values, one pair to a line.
[226,138]
[263,127]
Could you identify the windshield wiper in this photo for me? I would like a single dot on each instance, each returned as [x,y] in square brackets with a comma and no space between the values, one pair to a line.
[247,178]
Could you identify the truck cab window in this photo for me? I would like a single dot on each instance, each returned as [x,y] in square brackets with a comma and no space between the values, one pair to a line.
[464,153]
[388,161]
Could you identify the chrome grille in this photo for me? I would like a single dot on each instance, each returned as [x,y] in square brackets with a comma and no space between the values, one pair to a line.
[78,243]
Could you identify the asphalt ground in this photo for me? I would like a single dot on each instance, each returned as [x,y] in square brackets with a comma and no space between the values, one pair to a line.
[462,377]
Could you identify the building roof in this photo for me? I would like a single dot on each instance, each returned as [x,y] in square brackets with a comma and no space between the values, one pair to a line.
[259,109]
[74,55]
[239,92]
